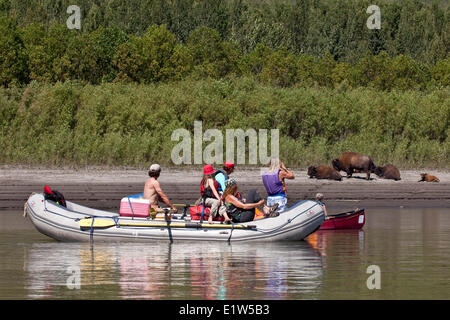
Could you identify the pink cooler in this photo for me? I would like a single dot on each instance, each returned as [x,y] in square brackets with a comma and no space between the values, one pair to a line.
[141,207]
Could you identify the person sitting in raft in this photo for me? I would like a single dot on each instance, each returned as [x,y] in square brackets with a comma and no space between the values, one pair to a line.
[319,198]
[153,191]
[223,175]
[210,196]
[274,183]
[242,210]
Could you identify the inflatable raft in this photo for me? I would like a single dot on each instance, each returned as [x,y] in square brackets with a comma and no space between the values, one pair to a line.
[75,222]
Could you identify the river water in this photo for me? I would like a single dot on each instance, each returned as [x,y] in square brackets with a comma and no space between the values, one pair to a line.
[410,250]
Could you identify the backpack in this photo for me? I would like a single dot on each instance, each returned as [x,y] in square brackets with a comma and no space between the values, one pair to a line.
[54,196]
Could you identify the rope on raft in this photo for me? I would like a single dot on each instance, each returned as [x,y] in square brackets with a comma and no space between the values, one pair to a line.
[286,223]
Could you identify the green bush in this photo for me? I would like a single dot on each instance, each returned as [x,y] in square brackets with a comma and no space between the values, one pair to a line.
[131,124]
[154,57]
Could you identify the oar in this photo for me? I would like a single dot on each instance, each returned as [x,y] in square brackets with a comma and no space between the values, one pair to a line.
[187,205]
[104,223]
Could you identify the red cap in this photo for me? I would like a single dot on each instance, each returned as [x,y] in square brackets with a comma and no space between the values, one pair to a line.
[47,190]
[229,164]
[208,169]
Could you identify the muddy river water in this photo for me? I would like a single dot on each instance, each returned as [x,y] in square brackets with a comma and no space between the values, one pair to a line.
[401,253]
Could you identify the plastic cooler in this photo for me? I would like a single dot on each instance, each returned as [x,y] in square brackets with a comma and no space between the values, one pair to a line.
[139,207]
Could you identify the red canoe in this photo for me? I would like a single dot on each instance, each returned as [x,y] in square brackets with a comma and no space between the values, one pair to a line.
[347,220]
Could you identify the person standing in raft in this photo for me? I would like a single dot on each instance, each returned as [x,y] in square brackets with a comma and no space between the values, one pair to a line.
[153,191]
[210,196]
[274,183]
[223,175]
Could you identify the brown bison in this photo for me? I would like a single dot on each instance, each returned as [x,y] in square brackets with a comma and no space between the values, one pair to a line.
[428,178]
[388,172]
[351,161]
[324,172]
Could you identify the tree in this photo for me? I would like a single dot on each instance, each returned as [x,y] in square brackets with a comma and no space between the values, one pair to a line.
[441,72]
[108,41]
[13,57]
[151,58]
[212,57]
[409,74]
[279,69]
[212,14]
[47,56]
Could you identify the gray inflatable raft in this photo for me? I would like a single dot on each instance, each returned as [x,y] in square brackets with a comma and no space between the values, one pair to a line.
[79,223]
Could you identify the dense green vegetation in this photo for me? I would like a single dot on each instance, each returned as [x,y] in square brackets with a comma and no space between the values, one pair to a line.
[282,43]
[131,124]
[419,28]
[113,92]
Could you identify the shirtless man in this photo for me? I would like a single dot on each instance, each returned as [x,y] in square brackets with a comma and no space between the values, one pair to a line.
[153,191]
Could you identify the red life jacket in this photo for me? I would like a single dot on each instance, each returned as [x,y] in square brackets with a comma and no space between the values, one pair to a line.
[54,196]
[207,192]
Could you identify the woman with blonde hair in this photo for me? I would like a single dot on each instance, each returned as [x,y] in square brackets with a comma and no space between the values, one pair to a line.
[274,183]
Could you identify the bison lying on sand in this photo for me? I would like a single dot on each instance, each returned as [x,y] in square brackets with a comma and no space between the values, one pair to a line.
[428,178]
[324,172]
[351,161]
[388,172]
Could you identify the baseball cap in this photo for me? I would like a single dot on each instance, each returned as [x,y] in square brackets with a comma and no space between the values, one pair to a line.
[155,167]
[229,164]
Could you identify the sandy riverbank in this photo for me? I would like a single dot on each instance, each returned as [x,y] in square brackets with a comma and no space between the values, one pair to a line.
[104,187]
[170,175]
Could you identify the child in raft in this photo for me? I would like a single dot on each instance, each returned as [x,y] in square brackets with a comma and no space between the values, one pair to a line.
[210,195]
[319,198]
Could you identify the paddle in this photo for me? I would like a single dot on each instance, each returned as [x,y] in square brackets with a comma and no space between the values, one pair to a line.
[105,223]
[153,212]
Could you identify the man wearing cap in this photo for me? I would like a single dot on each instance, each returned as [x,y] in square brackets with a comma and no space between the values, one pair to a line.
[222,175]
[153,191]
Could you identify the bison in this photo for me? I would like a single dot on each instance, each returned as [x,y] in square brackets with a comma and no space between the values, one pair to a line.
[388,172]
[351,161]
[324,172]
[428,178]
